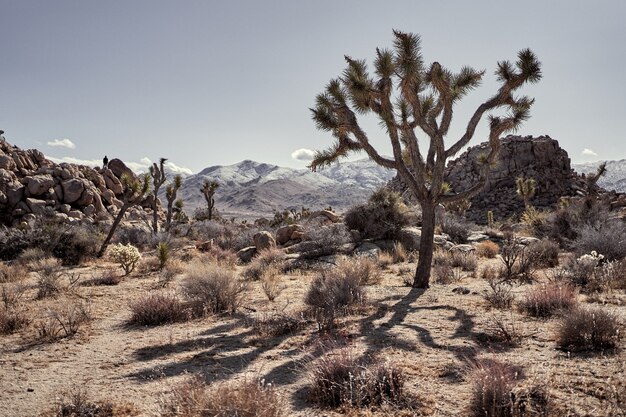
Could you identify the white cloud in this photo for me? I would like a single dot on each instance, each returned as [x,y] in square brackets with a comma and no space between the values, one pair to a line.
[142,166]
[62,143]
[303,154]
[71,160]
[588,152]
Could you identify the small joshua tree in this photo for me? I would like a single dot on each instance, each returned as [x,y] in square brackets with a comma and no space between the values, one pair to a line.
[170,194]
[408,97]
[157,172]
[208,190]
[134,191]
[592,180]
[526,189]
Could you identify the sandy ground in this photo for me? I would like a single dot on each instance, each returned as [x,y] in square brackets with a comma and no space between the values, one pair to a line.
[433,335]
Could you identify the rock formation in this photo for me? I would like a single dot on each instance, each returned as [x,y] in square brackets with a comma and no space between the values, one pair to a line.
[30,185]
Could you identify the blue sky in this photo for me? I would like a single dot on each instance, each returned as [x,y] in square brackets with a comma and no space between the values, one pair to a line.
[206,82]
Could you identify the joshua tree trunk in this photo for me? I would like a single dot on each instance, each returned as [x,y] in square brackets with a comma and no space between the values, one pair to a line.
[427,245]
[116,223]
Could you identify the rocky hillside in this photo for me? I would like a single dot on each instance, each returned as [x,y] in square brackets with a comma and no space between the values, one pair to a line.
[251,188]
[613,180]
[31,185]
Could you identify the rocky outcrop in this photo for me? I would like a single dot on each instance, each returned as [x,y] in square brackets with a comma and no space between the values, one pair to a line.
[540,158]
[30,184]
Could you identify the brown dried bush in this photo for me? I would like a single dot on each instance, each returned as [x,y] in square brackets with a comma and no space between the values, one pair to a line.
[12,273]
[156,309]
[63,321]
[499,294]
[194,398]
[211,289]
[547,299]
[360,268]
[492,387]
[487,249]
[589,328]
[274,324]
[544,253]
[339,378]
[466,261]
[263,260]
[270,282]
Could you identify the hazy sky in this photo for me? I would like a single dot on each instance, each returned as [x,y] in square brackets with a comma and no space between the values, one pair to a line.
[206,82]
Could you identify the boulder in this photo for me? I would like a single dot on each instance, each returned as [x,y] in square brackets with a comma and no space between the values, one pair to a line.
[326,216]
[289,233]
[245,255]
[72,190]
[465,248]
[118,168]
[205,246]
[368,249]
[37,207]
[410,238]
[6,162]
[264,240]
[39,184]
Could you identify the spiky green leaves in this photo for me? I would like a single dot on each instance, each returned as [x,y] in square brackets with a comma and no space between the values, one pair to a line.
[409,62]
[527,69]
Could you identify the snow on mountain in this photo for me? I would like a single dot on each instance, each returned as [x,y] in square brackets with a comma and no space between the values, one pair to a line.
[257,189]
[615,177]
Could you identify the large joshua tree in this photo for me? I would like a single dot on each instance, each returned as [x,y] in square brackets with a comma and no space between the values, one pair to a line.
[414,103]
[157,172]
[208,191]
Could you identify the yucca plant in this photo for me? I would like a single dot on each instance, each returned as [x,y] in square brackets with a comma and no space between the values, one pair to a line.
[409,97]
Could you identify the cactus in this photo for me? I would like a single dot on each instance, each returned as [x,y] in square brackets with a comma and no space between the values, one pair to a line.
[208,190]
[490,221]
[170,194]
[526,189]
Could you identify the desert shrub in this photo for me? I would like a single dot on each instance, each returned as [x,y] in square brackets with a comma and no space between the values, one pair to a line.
[126,255]
[544,253]
[108,276]
[49,277]
[499,294]
[580,271]
[606,237]
[225,257]
[588,328]
[263,260]
[12,273]
[156,309]
[493,383]
[381,218]
[194,398]
[133,235]
[42,234]
[30,256]
[276,324]
[445,274]
[270,282]
[517,265]
[331,292]
[384,259]
[212,289]
[607,276]
[169,272]
[466,261]
[399,253]
[487,249]
[361,269]
[163,253]
[326,240]
[340,378]
[78,404]
[442,257]
[63,321]
[76,244]
[12,320]
[545,300]
[504,331]
[456,227]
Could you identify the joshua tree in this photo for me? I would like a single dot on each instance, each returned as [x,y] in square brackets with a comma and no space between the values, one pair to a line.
[208,190]
[134,191]
[158,178]
[170,194]
[592,180]
[526,189]
[407,95]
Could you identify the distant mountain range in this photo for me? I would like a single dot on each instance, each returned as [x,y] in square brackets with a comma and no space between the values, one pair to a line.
[254,189]
[615,177]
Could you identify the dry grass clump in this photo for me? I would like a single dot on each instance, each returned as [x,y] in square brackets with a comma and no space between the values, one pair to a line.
[270,282]
[544,253]
[505,332]
[156,309]
[12,273]
[63,321]
[108,276]
[399,253]
[487,249]
[263,260]
[172,269]
[589,328]
[194,398]
[466,261]
[493,383]
[445,274]
[12,315]
[547,299]
[442,257]
[78,404]
[361,268]
[224,257]
[384,259]
[331,293]
[30,256]
[212,289]
[49,277]
[276,324]
[339,378]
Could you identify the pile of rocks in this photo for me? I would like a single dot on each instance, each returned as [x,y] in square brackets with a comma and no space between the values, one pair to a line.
[31,185]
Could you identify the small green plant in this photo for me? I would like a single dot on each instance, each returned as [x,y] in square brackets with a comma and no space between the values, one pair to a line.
[126,255]
[163,251]
[490,221]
